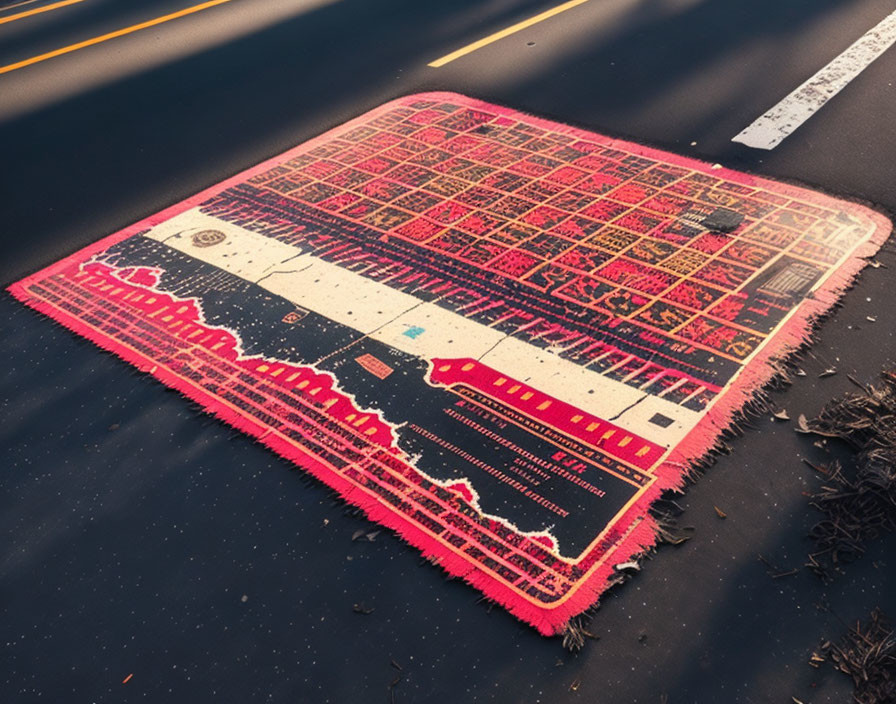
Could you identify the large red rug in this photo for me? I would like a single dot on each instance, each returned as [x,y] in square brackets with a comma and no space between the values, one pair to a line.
[500,336]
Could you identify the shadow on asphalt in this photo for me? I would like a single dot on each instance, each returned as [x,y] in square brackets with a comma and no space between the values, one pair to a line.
[135,525]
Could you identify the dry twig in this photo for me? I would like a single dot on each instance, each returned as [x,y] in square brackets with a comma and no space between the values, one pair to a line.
[860,504]
[867,653]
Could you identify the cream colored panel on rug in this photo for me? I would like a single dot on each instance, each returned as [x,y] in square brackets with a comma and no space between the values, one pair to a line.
[413,326]
[611,400]
[339,294]
[428,331]
[245,254]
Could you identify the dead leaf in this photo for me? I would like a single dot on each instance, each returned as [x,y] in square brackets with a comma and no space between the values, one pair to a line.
[628,566]
[678,539]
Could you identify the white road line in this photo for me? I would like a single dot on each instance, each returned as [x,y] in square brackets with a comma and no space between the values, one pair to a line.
[768,131]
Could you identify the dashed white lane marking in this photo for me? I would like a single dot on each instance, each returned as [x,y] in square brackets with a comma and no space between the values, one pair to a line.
[768,131]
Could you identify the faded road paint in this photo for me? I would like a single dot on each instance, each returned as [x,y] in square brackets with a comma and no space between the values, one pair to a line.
[37,10]
[777,124]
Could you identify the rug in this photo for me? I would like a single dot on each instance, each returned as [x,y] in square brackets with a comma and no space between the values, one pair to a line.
[499,336]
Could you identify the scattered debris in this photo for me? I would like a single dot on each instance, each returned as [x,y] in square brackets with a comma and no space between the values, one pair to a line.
[857,382]
[720,513]
[830,371]
[867,653]
[392,685]
[361,609]
[775,572]
[642,637]
[815,660]
[127,679]
[786,573]
[370,535]
[114,426]
[490,604]
[622,566]
[858,503]
[574,687]
[575,634]
[665,534]
[802,424]
[801,372]
[573,640]
[780,415]
[816,467]
[871,318]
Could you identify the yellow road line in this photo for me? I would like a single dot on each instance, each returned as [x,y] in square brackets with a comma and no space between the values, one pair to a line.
[513,29]
[36,10]
[111,35]
[18,4]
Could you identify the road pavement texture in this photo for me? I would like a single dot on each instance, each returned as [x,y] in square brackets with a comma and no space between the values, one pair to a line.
[145,539]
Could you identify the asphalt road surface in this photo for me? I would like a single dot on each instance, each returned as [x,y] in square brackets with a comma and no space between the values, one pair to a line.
[138,537]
